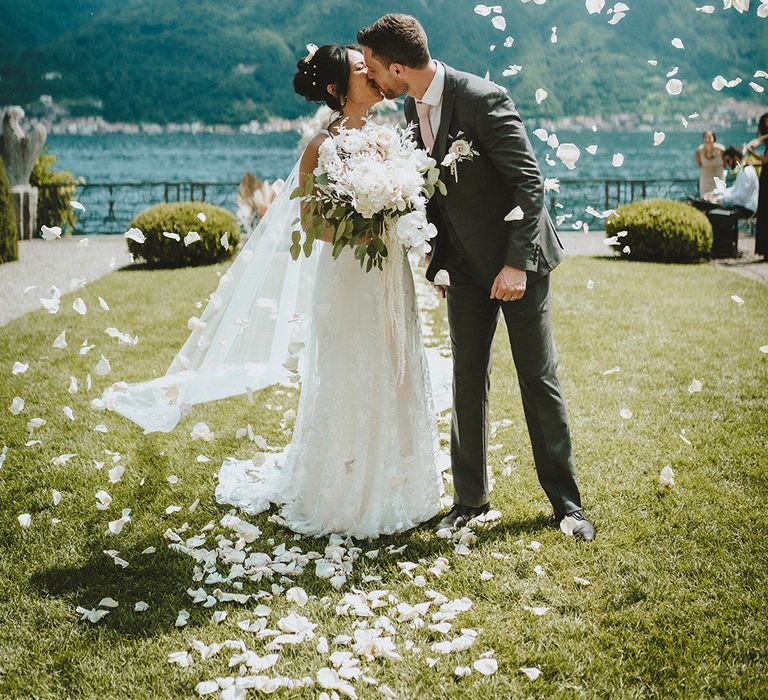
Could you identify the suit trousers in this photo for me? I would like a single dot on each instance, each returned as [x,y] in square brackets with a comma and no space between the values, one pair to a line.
[472,318]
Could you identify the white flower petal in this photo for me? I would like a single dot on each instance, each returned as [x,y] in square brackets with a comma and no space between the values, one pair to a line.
[515,215]
[486,666]
[667,477]
[532,672]
[674,86]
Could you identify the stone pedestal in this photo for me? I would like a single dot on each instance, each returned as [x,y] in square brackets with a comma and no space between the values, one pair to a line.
[25,204]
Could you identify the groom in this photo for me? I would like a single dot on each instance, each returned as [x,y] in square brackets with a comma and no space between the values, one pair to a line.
[498,245]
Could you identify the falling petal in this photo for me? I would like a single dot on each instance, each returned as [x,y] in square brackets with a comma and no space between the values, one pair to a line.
[135,234]
[658,137]
[674,86]
[512,70]
[569,154]
[595,6]
[51,233]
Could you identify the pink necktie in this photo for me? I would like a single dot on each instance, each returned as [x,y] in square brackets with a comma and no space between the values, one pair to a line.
[425,126]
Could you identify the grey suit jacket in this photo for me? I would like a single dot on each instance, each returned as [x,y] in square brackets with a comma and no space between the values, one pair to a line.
[505,175]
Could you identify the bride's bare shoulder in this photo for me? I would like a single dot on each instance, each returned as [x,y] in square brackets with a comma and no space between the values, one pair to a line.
[310,155]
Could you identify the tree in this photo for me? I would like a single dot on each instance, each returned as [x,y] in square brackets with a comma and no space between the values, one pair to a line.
[9,234]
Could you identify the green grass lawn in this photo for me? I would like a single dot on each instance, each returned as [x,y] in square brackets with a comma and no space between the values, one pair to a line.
[676,605]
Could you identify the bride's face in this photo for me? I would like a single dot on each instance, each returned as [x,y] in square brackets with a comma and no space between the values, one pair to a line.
[360,90]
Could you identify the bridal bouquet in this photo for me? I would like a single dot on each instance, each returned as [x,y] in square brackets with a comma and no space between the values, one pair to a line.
[371,187]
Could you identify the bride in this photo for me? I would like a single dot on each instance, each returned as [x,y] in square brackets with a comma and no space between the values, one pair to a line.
[362,460]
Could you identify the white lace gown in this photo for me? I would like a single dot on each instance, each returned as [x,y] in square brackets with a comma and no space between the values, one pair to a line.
[363,457]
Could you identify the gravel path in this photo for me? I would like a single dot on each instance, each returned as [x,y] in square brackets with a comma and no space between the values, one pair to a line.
[67,263]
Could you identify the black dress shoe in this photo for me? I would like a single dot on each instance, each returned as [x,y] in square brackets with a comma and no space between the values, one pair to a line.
[459,516]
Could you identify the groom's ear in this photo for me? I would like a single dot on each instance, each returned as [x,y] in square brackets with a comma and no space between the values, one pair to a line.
[397,69]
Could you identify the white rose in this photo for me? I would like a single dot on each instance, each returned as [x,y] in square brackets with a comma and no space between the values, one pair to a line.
[461,148]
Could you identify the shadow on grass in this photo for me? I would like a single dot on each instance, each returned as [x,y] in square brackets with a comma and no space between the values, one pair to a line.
[161,580]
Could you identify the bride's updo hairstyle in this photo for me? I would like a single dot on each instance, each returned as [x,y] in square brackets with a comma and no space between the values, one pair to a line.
[328,66]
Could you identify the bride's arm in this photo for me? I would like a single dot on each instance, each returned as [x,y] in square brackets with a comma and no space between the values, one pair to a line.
[307,166]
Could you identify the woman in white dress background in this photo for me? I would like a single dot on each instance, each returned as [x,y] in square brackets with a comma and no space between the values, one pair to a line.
[709,158]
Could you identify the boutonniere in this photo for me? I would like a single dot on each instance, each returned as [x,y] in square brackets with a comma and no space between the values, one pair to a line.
[460,150]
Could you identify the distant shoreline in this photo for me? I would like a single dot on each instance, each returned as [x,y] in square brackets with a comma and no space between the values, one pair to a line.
[728,114]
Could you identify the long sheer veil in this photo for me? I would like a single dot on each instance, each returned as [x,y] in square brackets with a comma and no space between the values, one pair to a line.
[248,337]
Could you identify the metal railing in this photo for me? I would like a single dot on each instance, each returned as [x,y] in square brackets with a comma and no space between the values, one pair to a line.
[110,206]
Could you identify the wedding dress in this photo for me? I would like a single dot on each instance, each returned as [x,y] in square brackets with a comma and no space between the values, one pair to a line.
[363,456]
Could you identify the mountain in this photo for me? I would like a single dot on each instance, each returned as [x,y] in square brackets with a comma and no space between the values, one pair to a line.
[184,60]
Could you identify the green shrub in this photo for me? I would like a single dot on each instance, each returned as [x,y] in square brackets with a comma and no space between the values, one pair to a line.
[661,230]
[9,234]
[181,218]
[53,204]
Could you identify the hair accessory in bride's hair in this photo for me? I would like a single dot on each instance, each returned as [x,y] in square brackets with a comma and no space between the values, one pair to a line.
[311,50]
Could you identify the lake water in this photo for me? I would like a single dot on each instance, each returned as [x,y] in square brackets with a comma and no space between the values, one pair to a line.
[217,158]
[224,159]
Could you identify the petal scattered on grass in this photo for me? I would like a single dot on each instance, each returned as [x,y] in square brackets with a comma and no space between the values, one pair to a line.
[532,672]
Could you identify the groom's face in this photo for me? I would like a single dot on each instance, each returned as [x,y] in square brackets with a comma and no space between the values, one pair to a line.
[387,79]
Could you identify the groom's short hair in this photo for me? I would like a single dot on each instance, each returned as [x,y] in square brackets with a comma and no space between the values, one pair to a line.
[397,38]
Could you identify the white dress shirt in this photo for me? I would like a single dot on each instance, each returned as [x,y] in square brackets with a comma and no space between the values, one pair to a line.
[434,97]
[745,190]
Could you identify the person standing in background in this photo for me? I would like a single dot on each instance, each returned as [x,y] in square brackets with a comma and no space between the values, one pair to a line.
[709,158]
[761,229]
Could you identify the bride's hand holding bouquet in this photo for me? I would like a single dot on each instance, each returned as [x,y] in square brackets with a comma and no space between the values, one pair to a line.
[370,190]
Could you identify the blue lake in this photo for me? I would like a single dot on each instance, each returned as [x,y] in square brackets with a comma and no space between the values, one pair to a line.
[222,158]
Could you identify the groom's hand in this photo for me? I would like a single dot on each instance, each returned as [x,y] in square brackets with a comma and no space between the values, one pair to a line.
[509,284]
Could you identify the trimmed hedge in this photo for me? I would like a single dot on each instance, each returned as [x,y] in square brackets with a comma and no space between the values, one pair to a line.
[661,230]
[181,218]
[9,233]
[53,204]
